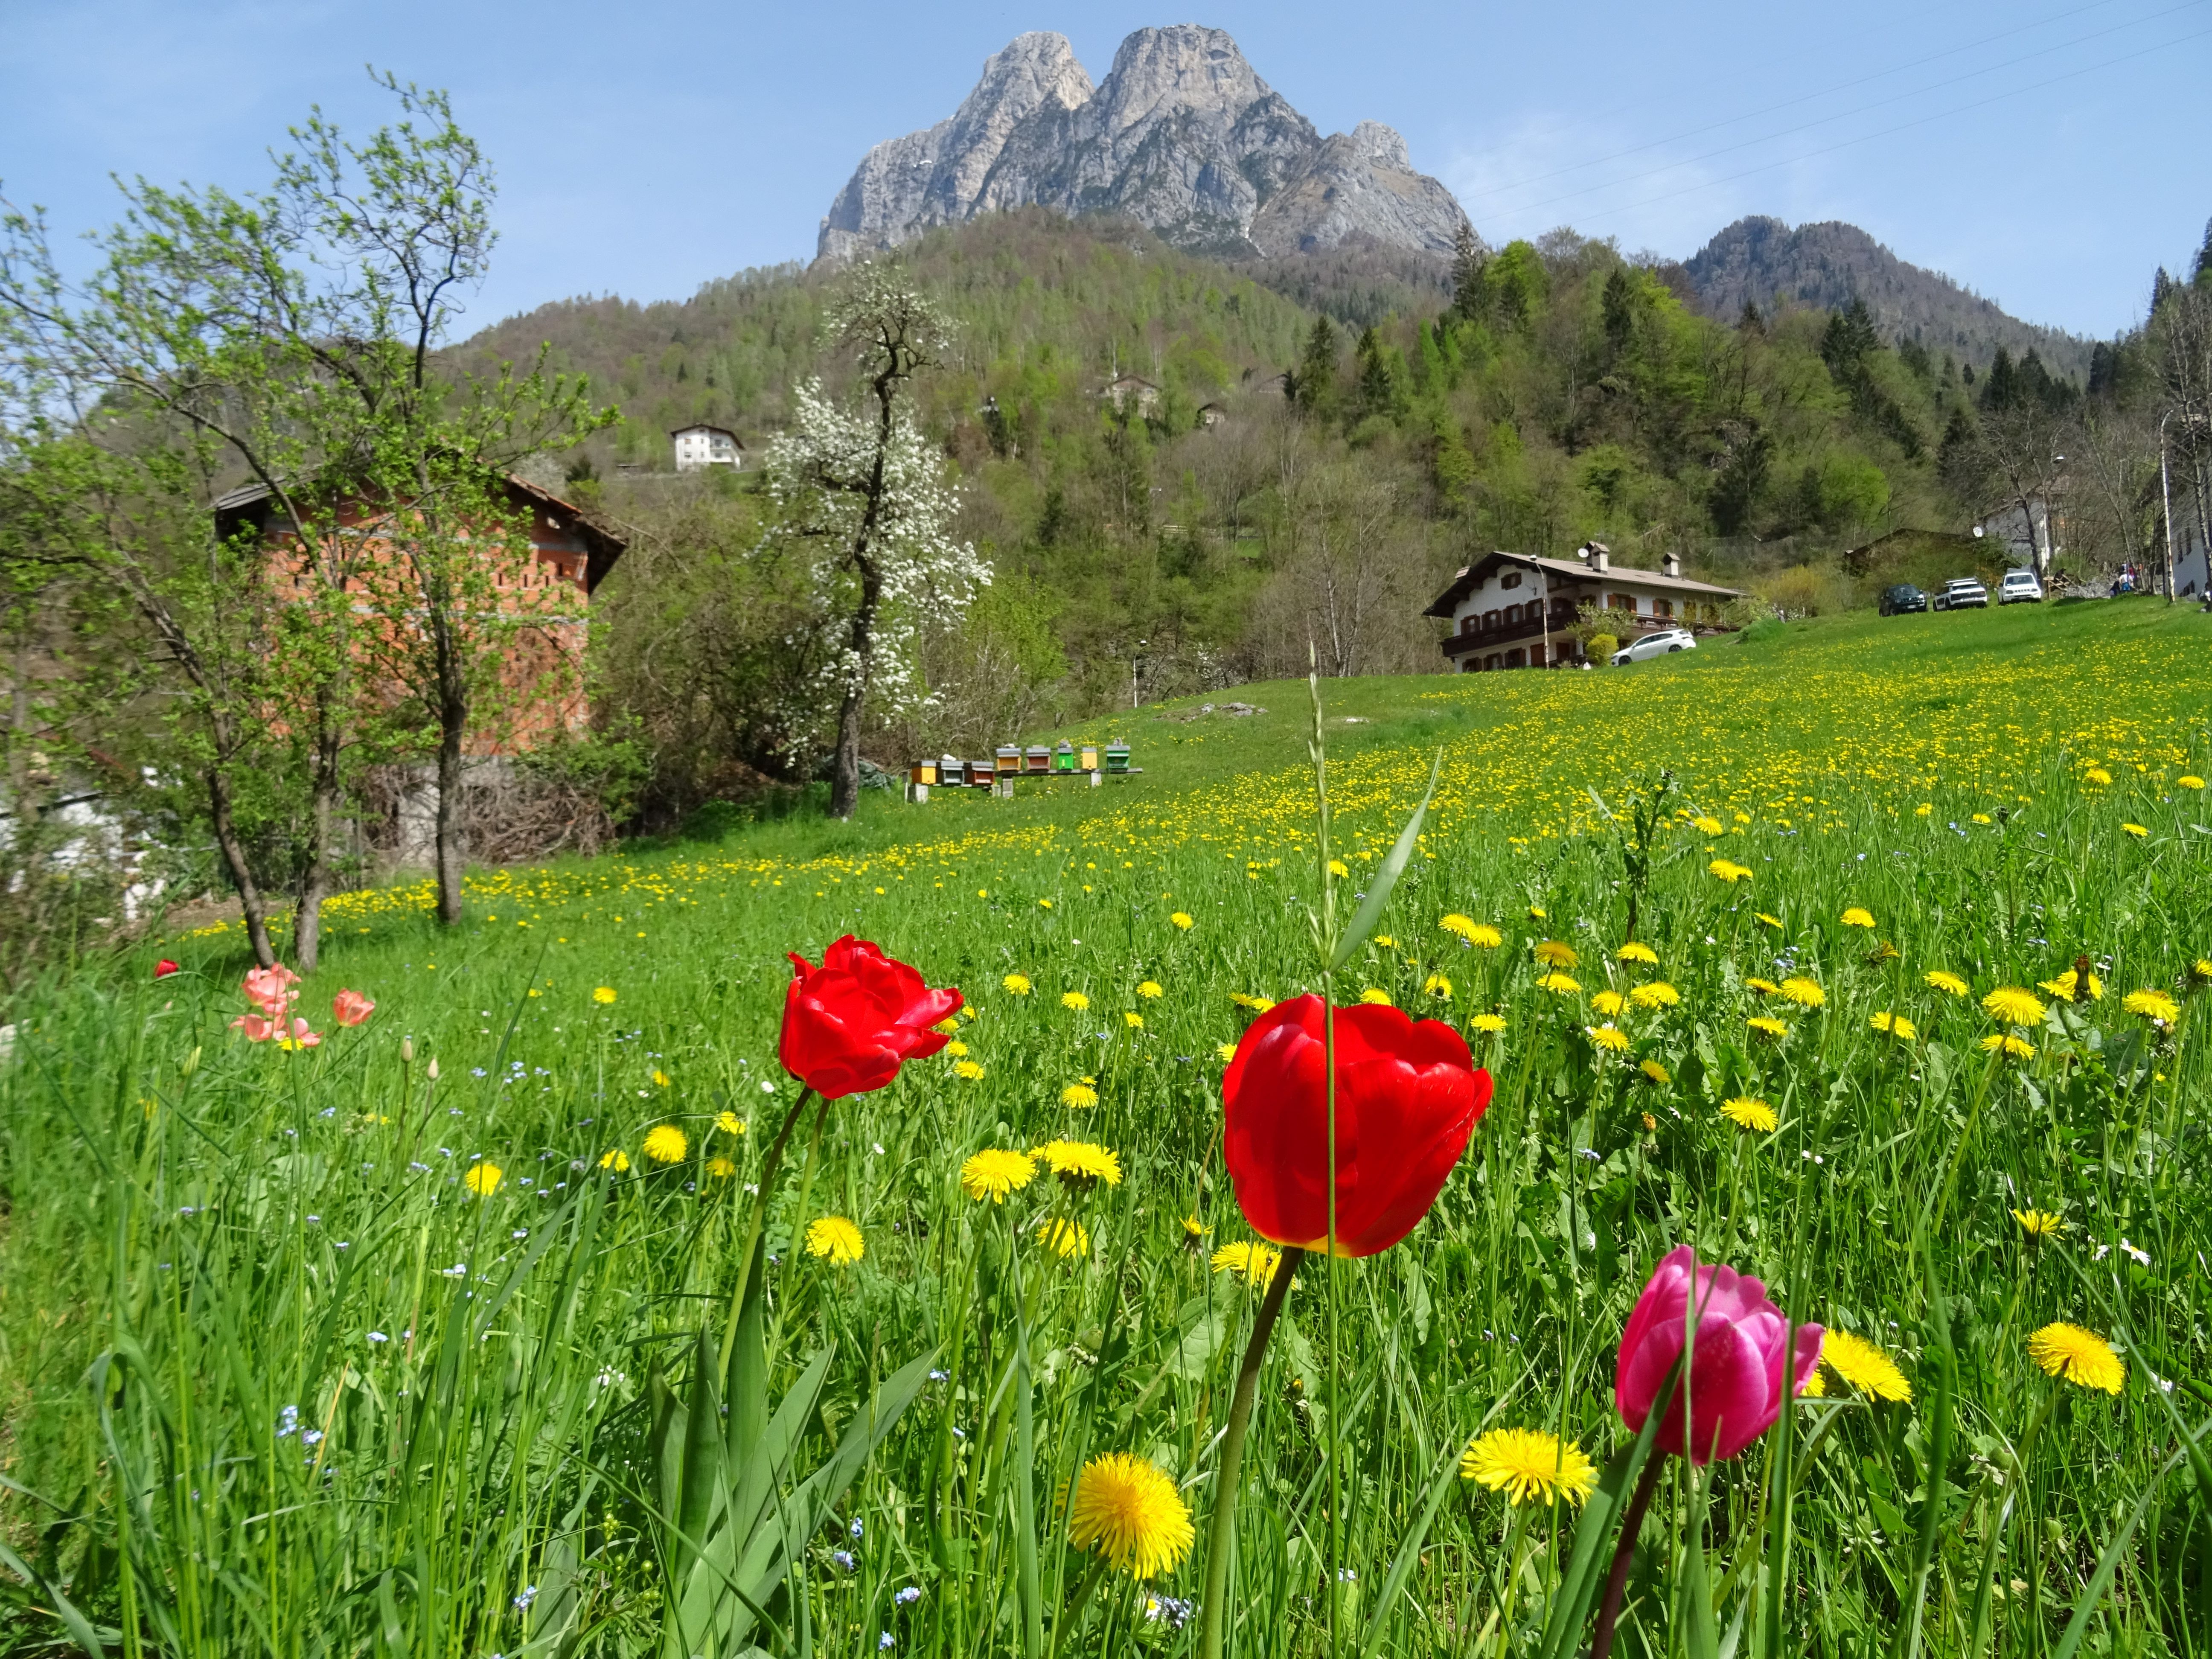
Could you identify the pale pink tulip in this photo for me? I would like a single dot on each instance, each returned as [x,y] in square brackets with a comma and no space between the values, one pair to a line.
[257,1029]
[1742,1358]
[301,1037]
[351,1008]
[272,989]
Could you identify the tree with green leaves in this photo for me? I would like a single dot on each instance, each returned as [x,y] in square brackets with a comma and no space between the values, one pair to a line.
[275,350]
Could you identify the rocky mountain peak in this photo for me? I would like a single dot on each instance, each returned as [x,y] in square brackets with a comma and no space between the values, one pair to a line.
[1182,134]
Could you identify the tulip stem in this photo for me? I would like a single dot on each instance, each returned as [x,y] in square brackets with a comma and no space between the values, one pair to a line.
[1616,1581]
[766,1185]
[1221,1535]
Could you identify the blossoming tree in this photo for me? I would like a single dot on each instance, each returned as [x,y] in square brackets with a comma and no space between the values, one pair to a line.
[862,510]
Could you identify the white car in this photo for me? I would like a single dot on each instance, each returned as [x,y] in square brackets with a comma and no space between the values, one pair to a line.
[1655,645]
[2020,588]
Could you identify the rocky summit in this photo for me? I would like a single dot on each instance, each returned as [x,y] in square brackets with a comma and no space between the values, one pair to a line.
[1182,134]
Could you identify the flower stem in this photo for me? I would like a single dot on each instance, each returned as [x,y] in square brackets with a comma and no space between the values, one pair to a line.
[1616,1580]
[1223,1532]
[767,1184]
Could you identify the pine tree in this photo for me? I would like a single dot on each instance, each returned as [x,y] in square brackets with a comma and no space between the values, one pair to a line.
[1618,306]
[1316,376]
[1468,262]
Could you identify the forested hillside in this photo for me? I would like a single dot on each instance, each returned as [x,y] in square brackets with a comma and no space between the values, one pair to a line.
[1295,479]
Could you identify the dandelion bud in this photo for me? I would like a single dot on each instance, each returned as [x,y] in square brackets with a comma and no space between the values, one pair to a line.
[432,1073]
[407,1051]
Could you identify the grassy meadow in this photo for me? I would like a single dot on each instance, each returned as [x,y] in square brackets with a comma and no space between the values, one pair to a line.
[319,1351]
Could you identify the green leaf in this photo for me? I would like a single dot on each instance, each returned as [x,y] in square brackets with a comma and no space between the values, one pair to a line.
[1587,1559]
[1940,1407]
[1378,889]
[1409,1552]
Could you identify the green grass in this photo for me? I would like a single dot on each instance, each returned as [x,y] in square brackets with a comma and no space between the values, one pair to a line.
[201,1233]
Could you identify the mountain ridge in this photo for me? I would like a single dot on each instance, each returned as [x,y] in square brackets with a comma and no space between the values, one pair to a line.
[1182,134]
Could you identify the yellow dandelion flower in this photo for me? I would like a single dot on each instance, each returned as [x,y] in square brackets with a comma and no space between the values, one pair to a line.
[618,1160]
[1767,1025]
[1610,1038]
[1135,1021]
[2081,1356]
[1923,809]
[2065,987]
[1805,993]
[1983,817]
[1750,1113]
[2136,830]
[1492,1024]
[1246,999]
[1816,1386]
[2152,1004]
[1608,1002]
[1854,916]
[1559,985]
[1766,988]
[1553,954]
[659,1078]
[2098,775]
[2015,1048]
[1376,996]
[1181,918]
[1475,933]
[2013,1006]
[836,1238]
[1074,1000]
[1709,825]
[2190,780]
[1064,1238]
[1018,984]
[967,1070]
[947,1027]
[1657,1074]
[1658,993]
[1949,984]
[604,994]
[1437,987]
[720,1168]
[729,1123]
[1536,913]
[1226,1051]
[1729,871]
[1079,1096]
[1336,868]
[1528,1465]
[667,1144]
[1255,1263]
[1129,1512]
[1384,941]
[2039,1225]
[1150,989]
[956,1049]
[1637,950]
[1896,1025]
[2201,968]
[1079,1162]
[483,1179]
[1863,1365]
[1193,1229]
[1766,920]
[994,1172]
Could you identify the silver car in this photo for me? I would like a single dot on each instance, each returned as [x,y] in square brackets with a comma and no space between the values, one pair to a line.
[1655,645]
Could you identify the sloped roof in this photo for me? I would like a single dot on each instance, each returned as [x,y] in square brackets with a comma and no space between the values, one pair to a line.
[1563,571]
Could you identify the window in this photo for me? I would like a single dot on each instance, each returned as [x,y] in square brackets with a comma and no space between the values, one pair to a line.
[1662,608]
[1517,659]
[1468,622]
[1620,602]
[1511,579]
[1489,620]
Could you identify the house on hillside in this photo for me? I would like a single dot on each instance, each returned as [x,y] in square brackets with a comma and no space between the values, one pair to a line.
[2030,534]
[1127,388]
[1508,609]
[569,556]
[1211,414]
[2192,570]
[698,447]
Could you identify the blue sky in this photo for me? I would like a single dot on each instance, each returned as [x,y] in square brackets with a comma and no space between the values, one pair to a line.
[2044,153]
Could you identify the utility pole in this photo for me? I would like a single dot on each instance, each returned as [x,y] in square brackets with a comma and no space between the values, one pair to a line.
[2166,503]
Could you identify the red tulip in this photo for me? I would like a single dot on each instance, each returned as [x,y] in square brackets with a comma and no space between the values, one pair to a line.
[164,968]
[1737,1363]
[273,990]
[351,1007]
[849,1024]
[1407,1095]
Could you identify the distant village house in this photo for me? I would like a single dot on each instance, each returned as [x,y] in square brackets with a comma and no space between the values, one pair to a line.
[1125,388]
[698,447]
[1507,609]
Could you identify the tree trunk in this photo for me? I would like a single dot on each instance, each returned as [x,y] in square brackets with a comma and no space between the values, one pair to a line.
[845,776]
[233,858]
[449,817]
[315,883]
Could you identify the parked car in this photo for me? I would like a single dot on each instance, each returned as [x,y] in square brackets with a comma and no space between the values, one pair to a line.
[2020,588]
[1901,599]
[1655,645]
[1963,593]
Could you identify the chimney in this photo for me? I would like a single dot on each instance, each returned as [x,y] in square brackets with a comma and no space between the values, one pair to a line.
[1600,557]
[1672,564]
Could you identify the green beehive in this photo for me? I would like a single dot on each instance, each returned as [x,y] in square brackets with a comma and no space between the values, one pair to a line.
[1117,755]
[1063,758]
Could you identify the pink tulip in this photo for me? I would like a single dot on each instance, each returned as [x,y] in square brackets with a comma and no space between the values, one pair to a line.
[351,1008]
[257,1029]
[271,989]
[1737,1362]
[301,1037]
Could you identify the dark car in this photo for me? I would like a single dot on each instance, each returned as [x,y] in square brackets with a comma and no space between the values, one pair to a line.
[1904,598]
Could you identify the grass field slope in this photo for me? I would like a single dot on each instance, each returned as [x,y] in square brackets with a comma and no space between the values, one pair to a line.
[1867,956]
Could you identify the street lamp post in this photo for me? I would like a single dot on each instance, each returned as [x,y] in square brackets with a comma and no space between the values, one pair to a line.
[2165,502]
